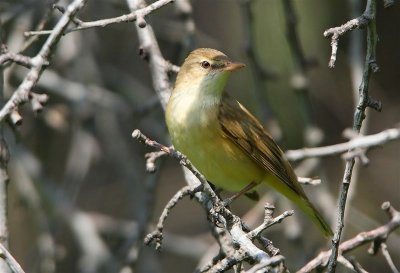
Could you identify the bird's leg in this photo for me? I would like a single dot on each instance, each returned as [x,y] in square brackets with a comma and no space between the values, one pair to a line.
[248,187]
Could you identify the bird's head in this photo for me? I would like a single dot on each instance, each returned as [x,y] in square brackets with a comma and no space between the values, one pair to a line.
[207,70]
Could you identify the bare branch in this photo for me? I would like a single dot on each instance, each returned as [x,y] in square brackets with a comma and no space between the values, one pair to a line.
[336,32]
[40,61]
[370,66]
[151,159]
[379,234]
[8,56]
[276,260]
[137,16]
[268,220]
[359,142]
[6,255]
[357,267]
[388,258]
[157,235]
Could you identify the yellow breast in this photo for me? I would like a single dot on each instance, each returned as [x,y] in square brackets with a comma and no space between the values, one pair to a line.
[195,131]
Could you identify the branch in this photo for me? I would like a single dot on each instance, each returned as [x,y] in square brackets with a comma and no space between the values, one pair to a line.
[237,233]
[151,159]
[379,235]
[40,61]
[8,56]
[359,115]
[336,32]
[150,51]
[157,235]
[357,267]
[137,16]
[359,142]
[388,258]
[6,255]
[268,220]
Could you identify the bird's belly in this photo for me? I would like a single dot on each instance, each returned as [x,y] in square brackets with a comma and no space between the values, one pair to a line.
[218,159]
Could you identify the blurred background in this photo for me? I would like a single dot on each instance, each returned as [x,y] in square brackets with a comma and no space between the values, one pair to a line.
[80,199]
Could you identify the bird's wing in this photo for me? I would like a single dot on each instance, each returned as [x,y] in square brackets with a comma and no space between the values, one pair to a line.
[243,129]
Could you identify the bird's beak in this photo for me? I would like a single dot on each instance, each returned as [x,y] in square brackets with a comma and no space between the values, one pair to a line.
[232,66]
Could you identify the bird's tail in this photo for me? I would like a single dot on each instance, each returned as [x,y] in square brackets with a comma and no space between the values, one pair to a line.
[302,202]
[308,208]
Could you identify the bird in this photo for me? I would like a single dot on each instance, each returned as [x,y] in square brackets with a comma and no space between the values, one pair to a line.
[222,139]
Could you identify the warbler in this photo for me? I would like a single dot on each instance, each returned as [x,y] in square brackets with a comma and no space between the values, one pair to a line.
[222,139]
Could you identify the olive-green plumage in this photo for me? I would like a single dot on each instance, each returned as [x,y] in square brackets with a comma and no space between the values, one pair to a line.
[222,139]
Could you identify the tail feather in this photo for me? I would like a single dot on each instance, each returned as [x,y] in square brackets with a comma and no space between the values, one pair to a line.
[302,202]
[315,216]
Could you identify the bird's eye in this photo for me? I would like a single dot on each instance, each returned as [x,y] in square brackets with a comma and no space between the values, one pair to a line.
[205,64]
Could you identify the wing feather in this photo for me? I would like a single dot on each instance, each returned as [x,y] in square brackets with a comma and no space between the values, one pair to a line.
[243,128]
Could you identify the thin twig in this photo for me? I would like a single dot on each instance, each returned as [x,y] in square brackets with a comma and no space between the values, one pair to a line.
[4,178]
[150,51]
[40,61]
[137,15]
[151,159]
[360,142]
[388,258]
[6,255]
[8,56]
[268,220]
[378,234]
[357,266]
[157,235]
[336,32]
[359,115]
[274,261]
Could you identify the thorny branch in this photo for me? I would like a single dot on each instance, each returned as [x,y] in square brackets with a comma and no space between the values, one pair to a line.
[376,236]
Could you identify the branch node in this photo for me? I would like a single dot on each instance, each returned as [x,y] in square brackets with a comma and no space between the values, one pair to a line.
[357,153]
[374,104]
[38,101]
[375,246]
[151,160]
[268,211]
[15,118]
[390,210]
[373,65]
[349,133]
[144,54]
[268,220]
[140,21]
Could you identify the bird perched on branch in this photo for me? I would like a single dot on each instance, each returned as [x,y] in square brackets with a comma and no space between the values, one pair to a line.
[222,139]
